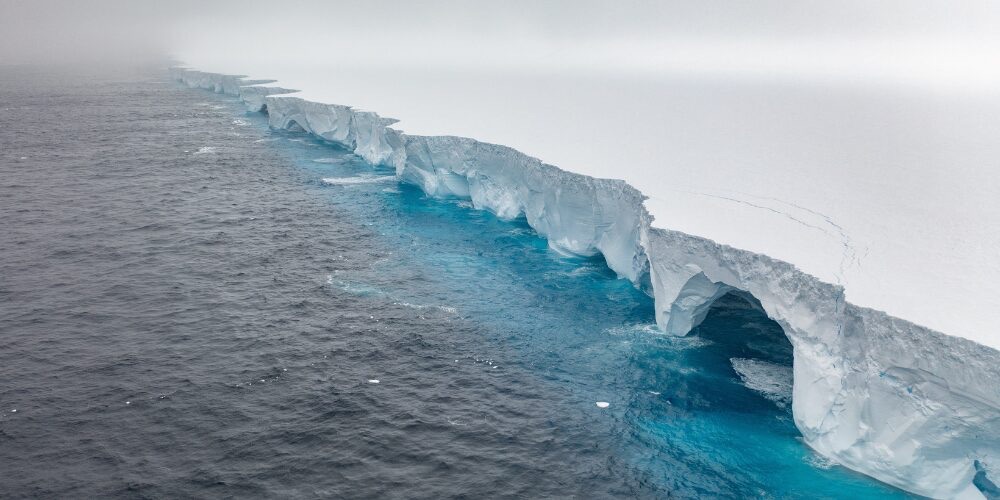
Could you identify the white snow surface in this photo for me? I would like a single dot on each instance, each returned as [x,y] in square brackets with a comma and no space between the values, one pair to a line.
[891,193]
[863,219]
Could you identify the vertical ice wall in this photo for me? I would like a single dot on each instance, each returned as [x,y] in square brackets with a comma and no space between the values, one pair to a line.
[902,403]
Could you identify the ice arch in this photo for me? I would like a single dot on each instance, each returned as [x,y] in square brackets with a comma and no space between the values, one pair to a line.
[878,394]
[902,403]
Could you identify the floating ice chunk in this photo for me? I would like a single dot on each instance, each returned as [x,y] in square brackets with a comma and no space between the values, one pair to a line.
[361,179]
[373,381]
[603,404]
[773,381]
[205,150]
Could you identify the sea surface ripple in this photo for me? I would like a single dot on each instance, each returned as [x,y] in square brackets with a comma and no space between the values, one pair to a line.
[194,306]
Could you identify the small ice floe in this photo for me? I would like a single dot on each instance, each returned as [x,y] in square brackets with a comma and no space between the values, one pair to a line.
[128,402]
[14,410]
[655,393]
[327,160]
[771,380]
[603,404]
[24,157]
[361,179]
[205,150]
[373,381]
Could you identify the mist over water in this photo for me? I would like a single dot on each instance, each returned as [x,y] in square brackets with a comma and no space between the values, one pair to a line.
[194,305]
[924,42]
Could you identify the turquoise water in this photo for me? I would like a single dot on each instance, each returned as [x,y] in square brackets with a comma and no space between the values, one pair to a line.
[680,419]
[187,310]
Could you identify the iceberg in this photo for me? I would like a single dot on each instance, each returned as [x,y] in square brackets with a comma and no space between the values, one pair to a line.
[903,403]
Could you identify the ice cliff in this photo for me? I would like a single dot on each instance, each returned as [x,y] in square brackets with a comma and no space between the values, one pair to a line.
[905,404]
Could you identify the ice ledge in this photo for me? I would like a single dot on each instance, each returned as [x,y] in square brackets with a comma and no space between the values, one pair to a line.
[897,401]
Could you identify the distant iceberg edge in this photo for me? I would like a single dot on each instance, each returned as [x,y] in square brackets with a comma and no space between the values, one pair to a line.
[902,403]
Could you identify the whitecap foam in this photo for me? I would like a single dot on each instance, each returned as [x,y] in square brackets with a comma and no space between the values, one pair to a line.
[638,328]
[584,270]
[354,288]
[771,380]
[650,331]
[361,179]
[820,462]
[447,309]
[205,150]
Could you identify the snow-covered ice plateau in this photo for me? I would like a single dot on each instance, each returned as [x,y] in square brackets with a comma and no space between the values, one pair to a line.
[879,268]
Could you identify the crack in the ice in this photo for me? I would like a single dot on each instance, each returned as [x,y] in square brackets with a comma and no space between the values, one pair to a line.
[849,255]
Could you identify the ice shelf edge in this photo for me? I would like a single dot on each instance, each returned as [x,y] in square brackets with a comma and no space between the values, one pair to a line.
[905,404]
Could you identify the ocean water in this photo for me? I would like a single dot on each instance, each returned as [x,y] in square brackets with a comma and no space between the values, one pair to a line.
[193,305]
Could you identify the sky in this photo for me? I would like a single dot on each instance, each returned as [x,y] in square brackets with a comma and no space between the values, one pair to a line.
[935,42]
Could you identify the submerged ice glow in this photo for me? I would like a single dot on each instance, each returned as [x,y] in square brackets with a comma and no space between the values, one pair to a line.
[668,408]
